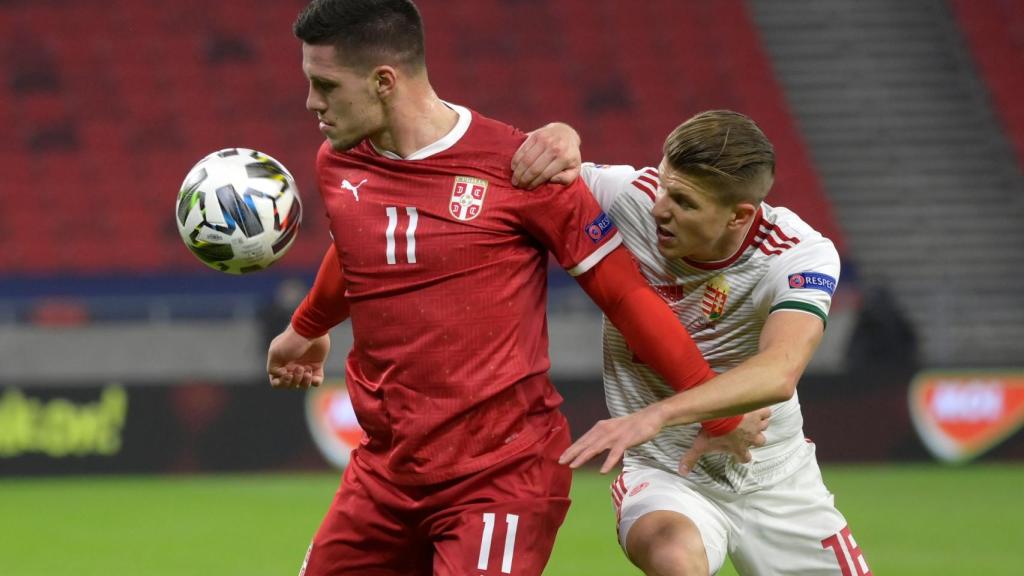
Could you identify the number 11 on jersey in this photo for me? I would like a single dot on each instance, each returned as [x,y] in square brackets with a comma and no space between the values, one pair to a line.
[410,233]
[512,522]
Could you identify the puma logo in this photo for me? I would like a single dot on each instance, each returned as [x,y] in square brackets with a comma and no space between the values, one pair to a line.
[346,185]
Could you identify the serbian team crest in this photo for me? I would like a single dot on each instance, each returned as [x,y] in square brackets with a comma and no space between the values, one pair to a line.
[716,296]
[960,416]
[332,421]
[467,197]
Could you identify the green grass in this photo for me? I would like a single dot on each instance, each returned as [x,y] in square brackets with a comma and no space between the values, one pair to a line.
[909,520]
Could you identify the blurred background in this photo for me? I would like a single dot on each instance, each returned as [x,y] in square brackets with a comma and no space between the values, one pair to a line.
[899,131]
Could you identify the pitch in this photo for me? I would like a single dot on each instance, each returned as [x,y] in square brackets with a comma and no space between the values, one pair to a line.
[909,520]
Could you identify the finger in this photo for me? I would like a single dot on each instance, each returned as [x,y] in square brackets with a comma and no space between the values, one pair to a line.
[284,379]
[553,168]
[533,173]
[580,445]
[744,456]
[569,454]
[689,460]
[524,159]
[585,456]
[614,455]
[759,440]
[566,177]
[307,379]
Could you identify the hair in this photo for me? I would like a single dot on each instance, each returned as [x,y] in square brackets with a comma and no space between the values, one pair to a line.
[726,153]
[366,33]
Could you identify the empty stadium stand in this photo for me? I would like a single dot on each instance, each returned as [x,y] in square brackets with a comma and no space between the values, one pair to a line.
[103,120]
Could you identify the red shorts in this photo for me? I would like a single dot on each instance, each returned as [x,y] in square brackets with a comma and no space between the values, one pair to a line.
[501,520]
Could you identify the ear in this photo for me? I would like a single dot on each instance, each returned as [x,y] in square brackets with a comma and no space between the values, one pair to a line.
[384,80]
[742,215]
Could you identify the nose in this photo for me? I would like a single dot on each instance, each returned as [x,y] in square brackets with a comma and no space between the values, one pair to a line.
[314,103]
[660,209]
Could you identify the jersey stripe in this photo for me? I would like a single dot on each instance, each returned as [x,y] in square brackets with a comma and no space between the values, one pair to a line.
[643,187]
[648,180]
[802,307]
[596,256]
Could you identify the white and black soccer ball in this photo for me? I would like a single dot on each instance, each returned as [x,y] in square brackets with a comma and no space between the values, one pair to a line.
[238,210]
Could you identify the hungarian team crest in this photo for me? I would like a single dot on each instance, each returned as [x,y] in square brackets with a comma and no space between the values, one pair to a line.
[960,416]
[716,296]
[467,197]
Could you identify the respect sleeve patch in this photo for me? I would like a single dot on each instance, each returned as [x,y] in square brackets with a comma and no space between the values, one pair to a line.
[813,281]
[599,228]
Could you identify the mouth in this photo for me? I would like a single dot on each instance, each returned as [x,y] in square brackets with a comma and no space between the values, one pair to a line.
[324,125]
[664,234]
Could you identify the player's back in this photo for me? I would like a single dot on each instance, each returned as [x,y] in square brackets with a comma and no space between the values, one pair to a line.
[446,279]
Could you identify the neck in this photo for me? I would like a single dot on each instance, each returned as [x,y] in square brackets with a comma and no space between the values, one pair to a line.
[415,119]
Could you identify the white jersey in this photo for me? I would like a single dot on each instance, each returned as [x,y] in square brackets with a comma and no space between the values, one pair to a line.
[783,264]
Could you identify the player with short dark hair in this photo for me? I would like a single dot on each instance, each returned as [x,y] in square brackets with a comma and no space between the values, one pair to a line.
[441,266]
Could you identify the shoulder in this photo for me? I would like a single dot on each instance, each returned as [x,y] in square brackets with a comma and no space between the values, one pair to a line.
[609,183]
[492,136]
[781,232]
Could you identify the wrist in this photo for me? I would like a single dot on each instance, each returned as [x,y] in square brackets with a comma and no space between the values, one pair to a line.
[302,333]
[658,414]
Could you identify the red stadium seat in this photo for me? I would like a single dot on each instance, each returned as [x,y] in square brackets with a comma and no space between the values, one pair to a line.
[148,88]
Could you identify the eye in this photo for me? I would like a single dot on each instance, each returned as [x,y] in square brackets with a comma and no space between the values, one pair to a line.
[682,201]
[322,85]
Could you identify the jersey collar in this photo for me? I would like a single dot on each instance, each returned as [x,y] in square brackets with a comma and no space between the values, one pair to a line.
[446,141]
[748,240]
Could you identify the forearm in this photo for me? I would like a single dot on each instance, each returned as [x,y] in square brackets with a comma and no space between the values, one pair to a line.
[652,332]
[763,380]
[648,326]
[325,305]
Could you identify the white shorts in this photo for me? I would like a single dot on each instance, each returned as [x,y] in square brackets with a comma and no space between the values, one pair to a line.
[790,528]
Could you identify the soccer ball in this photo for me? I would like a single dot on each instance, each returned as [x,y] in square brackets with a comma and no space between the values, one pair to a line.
[238,210]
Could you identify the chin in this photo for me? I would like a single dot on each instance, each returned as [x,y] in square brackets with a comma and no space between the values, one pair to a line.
[666,252]
[342,145]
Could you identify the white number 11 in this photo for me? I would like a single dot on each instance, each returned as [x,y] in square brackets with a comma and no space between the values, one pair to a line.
[410,234]
[510,541]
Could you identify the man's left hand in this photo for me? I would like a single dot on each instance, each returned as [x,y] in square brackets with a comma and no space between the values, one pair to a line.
[549,154]
[750,433]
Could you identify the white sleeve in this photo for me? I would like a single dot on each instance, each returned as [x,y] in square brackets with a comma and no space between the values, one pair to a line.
[802,279]
[606,183]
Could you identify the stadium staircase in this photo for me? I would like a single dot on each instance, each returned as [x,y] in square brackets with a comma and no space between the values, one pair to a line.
[917,165]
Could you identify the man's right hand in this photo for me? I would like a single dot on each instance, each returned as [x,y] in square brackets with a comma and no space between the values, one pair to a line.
[294,361]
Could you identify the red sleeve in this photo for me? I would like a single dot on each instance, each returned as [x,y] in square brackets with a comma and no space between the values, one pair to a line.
[569,222]
[325,306]
[652,331]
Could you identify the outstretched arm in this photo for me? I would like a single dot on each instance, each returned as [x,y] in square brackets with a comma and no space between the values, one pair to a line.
[787,344]
[296,357]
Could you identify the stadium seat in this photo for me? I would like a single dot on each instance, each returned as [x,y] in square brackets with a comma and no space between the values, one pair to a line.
[150,88]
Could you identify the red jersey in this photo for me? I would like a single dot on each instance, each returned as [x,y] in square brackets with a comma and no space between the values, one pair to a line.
[445,264]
